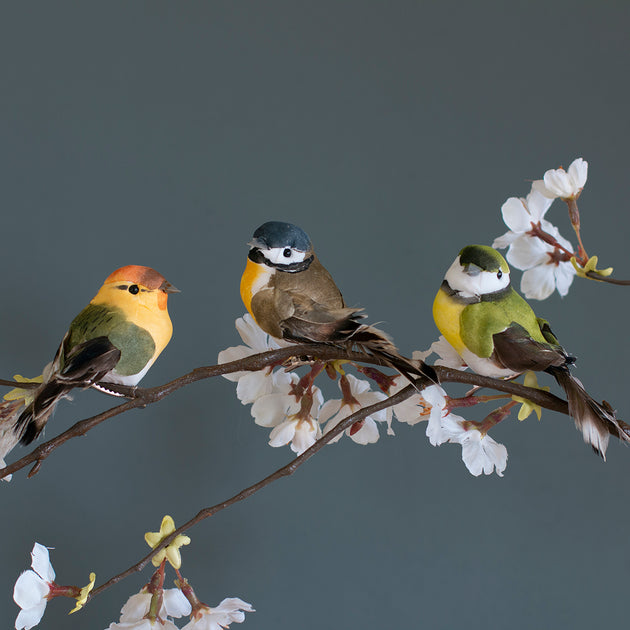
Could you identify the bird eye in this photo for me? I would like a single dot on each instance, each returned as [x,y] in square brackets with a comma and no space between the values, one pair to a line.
[287,252]
[134,289]
[499,274]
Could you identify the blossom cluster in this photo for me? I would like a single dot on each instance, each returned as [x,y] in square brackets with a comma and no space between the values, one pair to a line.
[278,402]
[535,245]
[154,607]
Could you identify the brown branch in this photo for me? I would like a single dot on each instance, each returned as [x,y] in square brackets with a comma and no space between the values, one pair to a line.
[12,383]
[141,397]
[285,471]
[595,276]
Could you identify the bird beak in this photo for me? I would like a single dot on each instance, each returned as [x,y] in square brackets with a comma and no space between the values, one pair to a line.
[167,287]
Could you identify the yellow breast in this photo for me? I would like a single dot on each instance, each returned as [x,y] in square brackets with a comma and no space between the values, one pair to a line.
[147,310]
[446,314]
[255,277]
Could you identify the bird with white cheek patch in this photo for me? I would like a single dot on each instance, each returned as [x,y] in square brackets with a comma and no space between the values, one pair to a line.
[497,334]
[291,296]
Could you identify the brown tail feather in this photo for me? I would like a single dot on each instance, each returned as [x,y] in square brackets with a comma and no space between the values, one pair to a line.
[596,421]
[377,343]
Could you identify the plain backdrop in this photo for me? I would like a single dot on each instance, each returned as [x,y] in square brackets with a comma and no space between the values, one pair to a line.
[163,133]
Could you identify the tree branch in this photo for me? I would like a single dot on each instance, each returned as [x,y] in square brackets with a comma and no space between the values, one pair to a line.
[141,397]
[285,471]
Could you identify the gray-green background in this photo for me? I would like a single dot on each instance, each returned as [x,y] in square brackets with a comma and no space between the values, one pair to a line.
[164,133]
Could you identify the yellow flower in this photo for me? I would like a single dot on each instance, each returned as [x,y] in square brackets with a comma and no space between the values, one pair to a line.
[83,595]
[528,406]
[591,265]
[171,551]
[25,394]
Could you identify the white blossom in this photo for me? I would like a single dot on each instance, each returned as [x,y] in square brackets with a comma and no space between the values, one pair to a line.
[230,610]
[32,588]
[300,432]
[174,604]
[412,410]
[256,340]
[449,357]
[143,624]
[543,272]
[565,184]
[133,613]
[334,411]
[436,397]
[526,251]
[480,453]
[521,214]
[271,408]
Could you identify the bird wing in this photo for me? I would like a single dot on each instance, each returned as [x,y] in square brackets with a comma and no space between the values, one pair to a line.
[84,364]
[515,349]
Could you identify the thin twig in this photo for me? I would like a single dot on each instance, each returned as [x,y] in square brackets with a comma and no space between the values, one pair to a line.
[595,276]
[285,471]
[7,383]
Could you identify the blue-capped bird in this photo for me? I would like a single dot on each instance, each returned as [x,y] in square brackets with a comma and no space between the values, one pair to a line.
[114,339]
[497,334]
[291,296]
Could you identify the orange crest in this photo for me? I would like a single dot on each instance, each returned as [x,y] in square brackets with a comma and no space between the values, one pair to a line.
[138,274]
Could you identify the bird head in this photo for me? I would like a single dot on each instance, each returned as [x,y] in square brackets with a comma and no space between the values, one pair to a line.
[280,244]
[478,270]
[135,286]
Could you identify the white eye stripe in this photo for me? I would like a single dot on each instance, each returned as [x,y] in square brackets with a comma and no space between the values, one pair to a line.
[277,256]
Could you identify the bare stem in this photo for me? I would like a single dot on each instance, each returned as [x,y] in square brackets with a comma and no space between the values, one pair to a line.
[595,276]
[285,471]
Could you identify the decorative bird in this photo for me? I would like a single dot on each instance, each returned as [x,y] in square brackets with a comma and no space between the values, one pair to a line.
[497,334]
[291,296]
[114,339]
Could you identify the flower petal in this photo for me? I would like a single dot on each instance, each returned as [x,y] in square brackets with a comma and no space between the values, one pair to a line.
[282,434]
[578,172]
[41,563]
[270,410]
[306,434]
[234,353]
[175,603]
[30,617]
[29,590]
[516,216]
[136,607]
[504,240]
[367,434]
[253,385]
[537,203]
[538,283]
[527,252]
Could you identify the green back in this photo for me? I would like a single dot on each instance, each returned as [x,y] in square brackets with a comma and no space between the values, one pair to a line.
[480,321]
[135,344]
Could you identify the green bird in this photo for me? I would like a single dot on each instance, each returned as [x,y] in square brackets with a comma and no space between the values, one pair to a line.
[497,334]
[114,339]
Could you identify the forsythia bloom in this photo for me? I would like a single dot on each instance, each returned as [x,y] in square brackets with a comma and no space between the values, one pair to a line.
[171,551]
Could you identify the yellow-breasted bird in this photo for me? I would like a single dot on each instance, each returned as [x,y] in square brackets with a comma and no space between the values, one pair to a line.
[291,296]
[114,339]
[497,334]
